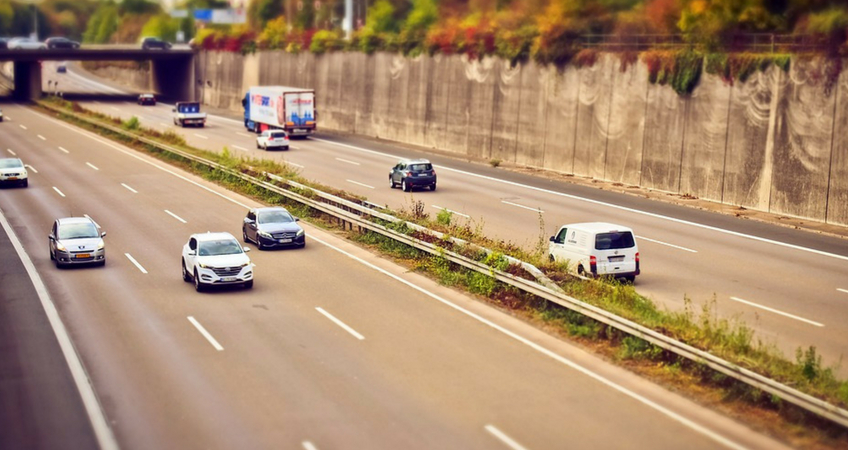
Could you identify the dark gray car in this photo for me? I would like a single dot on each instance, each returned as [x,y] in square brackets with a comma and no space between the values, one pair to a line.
[272,227]
[412,173]
[76,240]
[150,43]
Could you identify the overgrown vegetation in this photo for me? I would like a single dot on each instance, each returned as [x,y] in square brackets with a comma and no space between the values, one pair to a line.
[698,326]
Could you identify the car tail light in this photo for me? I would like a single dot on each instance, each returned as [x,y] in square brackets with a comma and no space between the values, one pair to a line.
[408,174]
[638,270]
[593,265]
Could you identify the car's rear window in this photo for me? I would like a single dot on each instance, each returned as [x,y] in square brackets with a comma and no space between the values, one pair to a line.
[78,231]
[420,167]
[9,163]
[614,240]
[278,135]
[219,247]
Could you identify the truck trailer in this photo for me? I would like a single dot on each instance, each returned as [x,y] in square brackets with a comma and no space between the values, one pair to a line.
[280,107]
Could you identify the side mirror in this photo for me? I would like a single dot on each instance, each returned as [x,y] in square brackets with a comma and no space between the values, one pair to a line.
[192,252]
[246,249]
[248,221]
[103,234]
[297,219]
[173,109]
[50,236]
[552,239]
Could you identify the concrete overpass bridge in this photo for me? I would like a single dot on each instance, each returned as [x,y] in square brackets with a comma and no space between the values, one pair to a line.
[172,71]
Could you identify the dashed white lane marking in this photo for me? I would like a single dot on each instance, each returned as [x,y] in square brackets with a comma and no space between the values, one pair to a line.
[30,168]
[538,210]
[349,162]
[175,216]
[504,438]
[669,245]
[309,446]
[244,134]
[452,211]
[22,126]
[132,260]
[91,165]
[239,147]
[340,323]
[41,137]
[63,149]
[163,124]
[58,191]
[842,290]
[294,164]
[114,109]
[791,316]
[205,333]
[361,184]
[201,136]
[129,188]
[11,152]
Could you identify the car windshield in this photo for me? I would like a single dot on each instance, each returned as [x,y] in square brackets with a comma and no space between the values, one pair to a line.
[78,231]
[614,240]
[275,217]
[219,247]
[420,167]
[10,163]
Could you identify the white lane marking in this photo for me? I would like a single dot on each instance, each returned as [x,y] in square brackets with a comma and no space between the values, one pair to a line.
[205,333]
[41,137]
[559,358]
[23,126]
[666,243]
[7,118]
[132,260]
[842,290]
[244,134]
[361,184]
[63,149]
[129,188]
[539,210]
[452,211]
[114,109]
[91,165]
[340,323]
[600,203]
[755,305]
[102,432]
[294,164]
[163,124]
[11,151]
[309,446]
[31,168]
[349,162]
[239,147]
[58,191]
[201,136]
[175,216]
[504,438]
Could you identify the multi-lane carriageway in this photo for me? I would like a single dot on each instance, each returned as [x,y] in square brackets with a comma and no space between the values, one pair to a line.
[333,348]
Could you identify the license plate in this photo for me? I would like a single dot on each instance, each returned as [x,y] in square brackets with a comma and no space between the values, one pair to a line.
[616,258]
[82,255]
[228,279]
[298,130]
[285,241]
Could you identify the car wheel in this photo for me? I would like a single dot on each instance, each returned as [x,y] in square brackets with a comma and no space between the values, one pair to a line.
[433,187]
[258,146]
[248,284]
[102,263]
[52,258]
[198,286]
[391,182]
[581,271]
[186,276]
[26,183]
[630,279]
[259,245]
[404,186]
[59,264]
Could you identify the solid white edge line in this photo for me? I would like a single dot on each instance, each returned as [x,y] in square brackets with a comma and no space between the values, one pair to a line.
[645,401]
[361,184]
[205,334]
[452,211]
[349,162]
[91,165]
[41,137]
[11,151]
[776,311]
[539,210]
[105,438]
[129,188]
[842,290]
[175,216]
[63,149]
[31,168]
[667,244]
[610,205]
[309,446]
[132,260]
[340,323]
[58,191]
[504,438]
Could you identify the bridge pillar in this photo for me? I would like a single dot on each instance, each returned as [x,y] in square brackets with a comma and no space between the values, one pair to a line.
[173,79]
[27,80]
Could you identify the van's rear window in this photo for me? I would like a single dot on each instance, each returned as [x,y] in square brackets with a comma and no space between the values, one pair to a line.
[614,240]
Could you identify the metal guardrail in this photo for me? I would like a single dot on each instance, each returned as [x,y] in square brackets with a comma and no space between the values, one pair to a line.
[355,214]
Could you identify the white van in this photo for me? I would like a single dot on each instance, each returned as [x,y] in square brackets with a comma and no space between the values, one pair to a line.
[595,249]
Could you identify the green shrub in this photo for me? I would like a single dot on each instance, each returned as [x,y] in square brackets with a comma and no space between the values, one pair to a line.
[131,124]
[325,41]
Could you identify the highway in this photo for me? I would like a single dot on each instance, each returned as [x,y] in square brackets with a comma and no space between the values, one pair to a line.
[790,286]
[334,347]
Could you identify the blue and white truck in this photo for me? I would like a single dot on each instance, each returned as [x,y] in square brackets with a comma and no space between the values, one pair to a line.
[280,107]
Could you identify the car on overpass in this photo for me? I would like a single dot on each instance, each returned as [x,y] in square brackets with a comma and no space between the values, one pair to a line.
[216,259]
[147,99]
[25,43]
[77,240]
[272,227]
[4,42]
[61,42]
[150,43]
[12,171]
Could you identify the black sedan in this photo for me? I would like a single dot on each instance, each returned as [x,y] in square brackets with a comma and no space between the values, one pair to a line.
[147,99]
[272,227]
[150,43]
[61,42]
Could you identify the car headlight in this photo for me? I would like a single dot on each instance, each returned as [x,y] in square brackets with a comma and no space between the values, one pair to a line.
[265,235]
[300,232]
[204,266]
[101,245]
[245,264]
[60,247]
[24,173]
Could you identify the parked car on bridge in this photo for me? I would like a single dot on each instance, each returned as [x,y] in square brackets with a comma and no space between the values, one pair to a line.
[412,173]
[147,99]
[77,240]
[216,259]
[61,42]
[597,249]
[272,227]
[25,43]
[4,42]
[12,171]
[62,68]
[273,139]
[150,43]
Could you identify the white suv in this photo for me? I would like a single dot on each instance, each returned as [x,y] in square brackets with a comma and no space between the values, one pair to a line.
[273,139]
[213,259]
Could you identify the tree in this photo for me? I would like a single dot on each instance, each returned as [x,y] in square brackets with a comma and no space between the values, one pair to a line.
[261,11]
[139,7]
[161,26]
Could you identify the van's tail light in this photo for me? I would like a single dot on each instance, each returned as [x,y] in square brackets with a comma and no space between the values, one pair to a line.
[593,265]
[408,174]
[637,263]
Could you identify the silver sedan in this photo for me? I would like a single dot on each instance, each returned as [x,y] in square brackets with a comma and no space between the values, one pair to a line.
[77,240]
